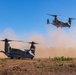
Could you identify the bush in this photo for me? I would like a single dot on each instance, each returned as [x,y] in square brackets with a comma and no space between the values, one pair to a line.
[62,58]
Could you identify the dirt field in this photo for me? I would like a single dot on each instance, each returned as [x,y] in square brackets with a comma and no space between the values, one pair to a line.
[37,67]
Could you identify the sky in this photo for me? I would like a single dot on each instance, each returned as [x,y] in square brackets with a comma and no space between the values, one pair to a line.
[25,17]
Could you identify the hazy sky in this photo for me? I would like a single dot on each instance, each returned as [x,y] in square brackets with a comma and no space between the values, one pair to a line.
[29,16]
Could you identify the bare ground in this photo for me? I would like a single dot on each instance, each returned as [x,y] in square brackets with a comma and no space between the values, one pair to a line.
[37,67]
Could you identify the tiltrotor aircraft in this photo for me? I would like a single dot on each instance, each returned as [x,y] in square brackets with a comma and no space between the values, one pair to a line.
[18,53]
[59,23]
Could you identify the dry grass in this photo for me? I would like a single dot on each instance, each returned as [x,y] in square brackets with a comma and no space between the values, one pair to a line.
[37,67]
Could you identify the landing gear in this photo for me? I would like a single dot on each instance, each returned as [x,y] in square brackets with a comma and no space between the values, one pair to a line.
[31,58]
[11,57]
[18,57]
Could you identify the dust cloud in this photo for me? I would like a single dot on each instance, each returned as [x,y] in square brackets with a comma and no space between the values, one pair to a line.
[58,42]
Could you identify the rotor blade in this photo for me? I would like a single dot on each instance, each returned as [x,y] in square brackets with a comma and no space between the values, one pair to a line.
[57,15]
[32,42]
[52,15]
[7,40]
[15,40]
[12,40]
[72,18]
[2,40]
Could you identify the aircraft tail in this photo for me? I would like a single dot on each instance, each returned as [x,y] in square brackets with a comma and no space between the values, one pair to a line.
[48,22]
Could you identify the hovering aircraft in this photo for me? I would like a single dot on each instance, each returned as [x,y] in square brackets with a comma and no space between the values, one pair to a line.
[18,53]
[59,23]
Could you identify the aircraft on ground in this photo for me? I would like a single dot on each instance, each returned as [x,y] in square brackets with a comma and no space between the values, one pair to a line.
[18,53]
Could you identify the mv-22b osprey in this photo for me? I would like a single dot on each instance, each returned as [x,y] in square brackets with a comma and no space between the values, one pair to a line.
[59,23]
[18,53]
